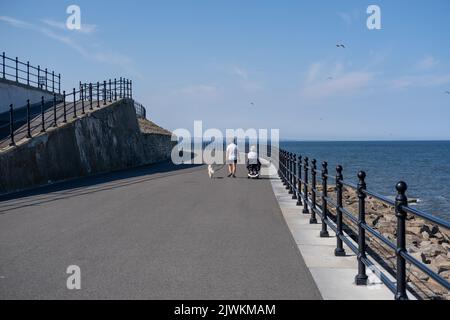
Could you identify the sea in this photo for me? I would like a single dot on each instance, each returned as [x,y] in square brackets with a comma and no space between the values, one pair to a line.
[423,165]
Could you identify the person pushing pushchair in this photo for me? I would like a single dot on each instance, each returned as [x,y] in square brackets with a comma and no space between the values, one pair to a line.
[253,163]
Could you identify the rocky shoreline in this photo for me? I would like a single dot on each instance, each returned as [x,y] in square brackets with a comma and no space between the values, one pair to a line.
[426,242]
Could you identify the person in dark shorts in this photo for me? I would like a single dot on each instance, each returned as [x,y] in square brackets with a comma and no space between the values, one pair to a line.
[232,156]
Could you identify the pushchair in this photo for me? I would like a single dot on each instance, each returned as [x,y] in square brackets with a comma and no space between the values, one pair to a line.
[253,164]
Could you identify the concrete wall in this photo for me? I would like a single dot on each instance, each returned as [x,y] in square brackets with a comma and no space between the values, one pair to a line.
[17,94]
[105,140]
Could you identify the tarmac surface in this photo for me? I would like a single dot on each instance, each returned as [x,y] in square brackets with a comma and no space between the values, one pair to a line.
[156,232]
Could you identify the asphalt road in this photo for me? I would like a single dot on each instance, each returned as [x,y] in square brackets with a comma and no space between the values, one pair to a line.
[151,233]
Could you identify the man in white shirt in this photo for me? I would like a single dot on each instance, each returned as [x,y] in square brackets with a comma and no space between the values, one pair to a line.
[232,154]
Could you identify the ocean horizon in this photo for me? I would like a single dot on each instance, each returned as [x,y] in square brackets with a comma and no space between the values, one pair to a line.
[423,164]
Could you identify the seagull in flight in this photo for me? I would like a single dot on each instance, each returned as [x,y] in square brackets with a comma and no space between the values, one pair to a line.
[447,92]
[340,45]
[252,103]
[330,78]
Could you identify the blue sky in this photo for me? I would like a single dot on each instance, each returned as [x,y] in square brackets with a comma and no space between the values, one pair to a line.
[209,60]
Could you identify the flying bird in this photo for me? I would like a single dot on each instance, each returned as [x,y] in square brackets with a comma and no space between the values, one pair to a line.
[340,45]
[330,78]
[447,92]
[252,103]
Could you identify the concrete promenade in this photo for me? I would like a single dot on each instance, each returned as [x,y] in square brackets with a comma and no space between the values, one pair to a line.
[333,275]
[157,232]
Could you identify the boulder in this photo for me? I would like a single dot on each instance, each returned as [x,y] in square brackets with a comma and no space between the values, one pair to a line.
[442,263]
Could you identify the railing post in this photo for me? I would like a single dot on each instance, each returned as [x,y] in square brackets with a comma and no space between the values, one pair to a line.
[3,65]
[82,99]
[401,201]
[115,89]
[39,76]
[17,69]
[74,104]
[98,94]
[59,83]
[104,92]
[110,92]
[280,169]
[131,89]
[324,218]
[305,186]
[291,191]
[283,161]
[279,160]
[286,168]
[46,73]
[28,120]
[299,181]
[361,277]
[90,96]
[313,219]
[42,114]
[53,81]
[294,176]
[28,72]
[64,106]
[120,88]
[339,251]
[54,111]
[11,125]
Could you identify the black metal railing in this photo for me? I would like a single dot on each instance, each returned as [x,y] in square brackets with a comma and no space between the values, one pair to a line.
[141,112]
[52,113]
[22,72]
[356,241]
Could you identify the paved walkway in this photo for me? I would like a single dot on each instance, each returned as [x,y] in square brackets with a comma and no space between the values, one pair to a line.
[334,275]
[151,233]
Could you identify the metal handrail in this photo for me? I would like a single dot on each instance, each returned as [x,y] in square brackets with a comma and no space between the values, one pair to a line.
[94,95]
[293,180]
[141,112]
[42,79]
[427,216]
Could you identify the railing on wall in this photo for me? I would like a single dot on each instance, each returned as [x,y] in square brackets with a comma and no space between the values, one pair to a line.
[141,112]
[22,72]
[120,85]
[295,172]
[71,105]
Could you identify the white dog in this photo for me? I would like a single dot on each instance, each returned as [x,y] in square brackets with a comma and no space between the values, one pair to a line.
[210,171]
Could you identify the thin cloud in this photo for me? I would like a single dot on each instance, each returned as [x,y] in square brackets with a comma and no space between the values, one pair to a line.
[100,56]
[85,27]
[325,80]
[317,72]
[199,91]
[427,63]
[349,17]
[313,72]
[346,84]
[239,72]
[244,82]
[15,22]
[429,80]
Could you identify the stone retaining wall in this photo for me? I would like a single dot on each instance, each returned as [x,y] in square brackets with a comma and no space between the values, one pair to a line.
[105,140]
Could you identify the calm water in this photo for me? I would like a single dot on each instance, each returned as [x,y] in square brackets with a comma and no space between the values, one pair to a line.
[424,166]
